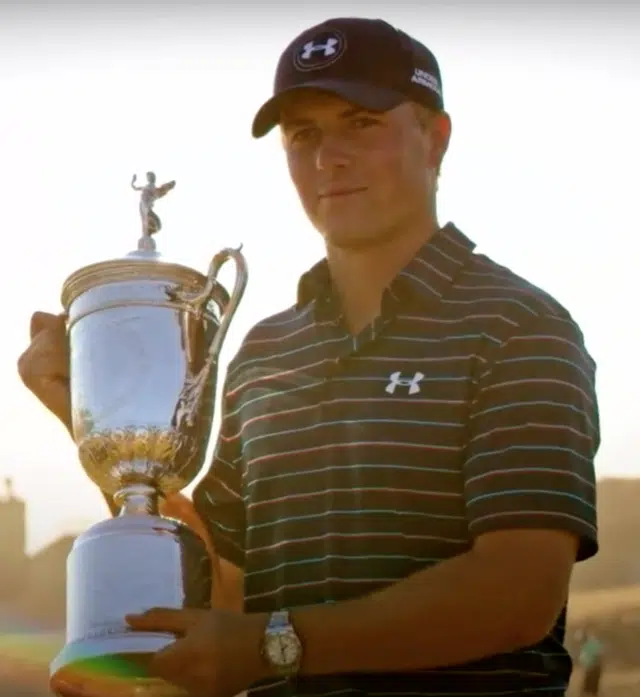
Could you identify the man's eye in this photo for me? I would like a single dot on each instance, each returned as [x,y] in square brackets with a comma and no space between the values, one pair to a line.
[302,135]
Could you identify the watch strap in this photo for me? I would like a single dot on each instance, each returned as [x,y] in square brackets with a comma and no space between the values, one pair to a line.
[279,619]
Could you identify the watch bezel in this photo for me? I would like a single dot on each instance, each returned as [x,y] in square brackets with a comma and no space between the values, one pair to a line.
[272,637]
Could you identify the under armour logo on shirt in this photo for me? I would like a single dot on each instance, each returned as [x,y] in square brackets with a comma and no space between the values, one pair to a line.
[396,380]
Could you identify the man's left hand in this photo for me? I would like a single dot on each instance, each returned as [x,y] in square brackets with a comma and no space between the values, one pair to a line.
[216,652]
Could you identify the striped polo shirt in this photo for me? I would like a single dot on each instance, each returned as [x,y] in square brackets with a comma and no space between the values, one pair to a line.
[346,463]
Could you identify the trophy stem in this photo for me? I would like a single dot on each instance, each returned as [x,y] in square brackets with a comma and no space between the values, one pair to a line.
[146,244]
[137,499]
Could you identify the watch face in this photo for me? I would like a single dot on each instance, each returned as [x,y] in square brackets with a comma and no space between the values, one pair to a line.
[283,649]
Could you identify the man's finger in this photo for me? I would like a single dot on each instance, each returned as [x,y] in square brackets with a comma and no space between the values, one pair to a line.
[46,356]
[45,320]
[38,367]
[163,619]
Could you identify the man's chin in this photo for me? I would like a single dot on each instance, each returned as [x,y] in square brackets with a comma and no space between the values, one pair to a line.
[348,240]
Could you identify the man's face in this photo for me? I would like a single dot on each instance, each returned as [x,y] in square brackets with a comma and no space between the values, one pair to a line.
[362,176]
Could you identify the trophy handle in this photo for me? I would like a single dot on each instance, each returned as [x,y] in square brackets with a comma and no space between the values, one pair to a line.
[199,302]
[191,395]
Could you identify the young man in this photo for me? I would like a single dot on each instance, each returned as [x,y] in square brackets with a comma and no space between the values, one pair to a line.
[404,475]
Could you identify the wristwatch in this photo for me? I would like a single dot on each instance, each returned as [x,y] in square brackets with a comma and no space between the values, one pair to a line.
[281,645]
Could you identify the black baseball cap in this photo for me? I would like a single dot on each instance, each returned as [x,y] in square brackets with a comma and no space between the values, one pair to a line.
[365,61]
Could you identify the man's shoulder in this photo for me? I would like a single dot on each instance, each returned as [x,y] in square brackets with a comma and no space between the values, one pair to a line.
[268,334]
[280,324]
[494,290]
[506,306]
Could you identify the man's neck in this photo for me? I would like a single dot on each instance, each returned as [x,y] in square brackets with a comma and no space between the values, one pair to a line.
[360,276]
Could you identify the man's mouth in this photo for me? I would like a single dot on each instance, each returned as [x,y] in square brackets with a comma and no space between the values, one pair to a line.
[341,192]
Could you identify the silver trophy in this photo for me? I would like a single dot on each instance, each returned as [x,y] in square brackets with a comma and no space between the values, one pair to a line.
[145,335]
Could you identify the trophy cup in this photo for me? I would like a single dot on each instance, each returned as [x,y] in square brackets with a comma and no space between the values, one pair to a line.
[144,338]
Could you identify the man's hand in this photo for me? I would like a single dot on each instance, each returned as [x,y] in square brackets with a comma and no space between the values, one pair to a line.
[44,366]
[216,654]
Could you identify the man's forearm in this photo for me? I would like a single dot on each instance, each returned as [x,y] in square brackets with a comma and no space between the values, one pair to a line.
[458,611]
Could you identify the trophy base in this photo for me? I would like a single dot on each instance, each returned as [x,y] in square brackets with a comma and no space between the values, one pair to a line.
[118,567]
[111,666]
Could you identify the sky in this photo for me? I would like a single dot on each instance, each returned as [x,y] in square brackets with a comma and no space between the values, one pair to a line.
[542,173]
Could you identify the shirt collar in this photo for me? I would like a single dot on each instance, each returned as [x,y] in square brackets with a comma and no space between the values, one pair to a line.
[428,274]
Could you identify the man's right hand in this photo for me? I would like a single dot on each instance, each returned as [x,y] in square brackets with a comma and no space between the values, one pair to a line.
[44,366]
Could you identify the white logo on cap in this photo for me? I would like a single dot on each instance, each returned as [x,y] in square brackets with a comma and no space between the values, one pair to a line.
[320,52]
[328,48]
[422,77]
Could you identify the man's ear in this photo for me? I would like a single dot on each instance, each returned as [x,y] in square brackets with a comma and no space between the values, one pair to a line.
[440,133]
[436,132]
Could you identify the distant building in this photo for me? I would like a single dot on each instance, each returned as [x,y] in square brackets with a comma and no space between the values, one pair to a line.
[45,598]
[14,571]
[32,603]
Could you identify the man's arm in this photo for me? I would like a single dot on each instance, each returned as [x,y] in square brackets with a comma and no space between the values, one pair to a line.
[227,582]
[503,595]
[530,496]
[219,505]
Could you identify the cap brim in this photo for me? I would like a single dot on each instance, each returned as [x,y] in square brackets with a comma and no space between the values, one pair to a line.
[362,95]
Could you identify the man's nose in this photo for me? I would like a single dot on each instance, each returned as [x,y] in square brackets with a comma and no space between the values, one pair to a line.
[332,153]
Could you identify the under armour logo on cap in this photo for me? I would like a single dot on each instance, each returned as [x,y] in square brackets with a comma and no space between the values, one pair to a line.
[323,50]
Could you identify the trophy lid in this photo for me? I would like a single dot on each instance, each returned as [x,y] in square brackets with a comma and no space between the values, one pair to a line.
[142,264]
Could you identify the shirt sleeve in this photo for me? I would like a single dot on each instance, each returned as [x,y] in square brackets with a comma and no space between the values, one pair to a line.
[534,433]
[218,498]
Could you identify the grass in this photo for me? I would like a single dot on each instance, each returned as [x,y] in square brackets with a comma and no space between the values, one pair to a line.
[38,649]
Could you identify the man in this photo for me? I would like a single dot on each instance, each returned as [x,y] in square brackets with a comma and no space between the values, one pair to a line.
[404,474]
[591,662]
